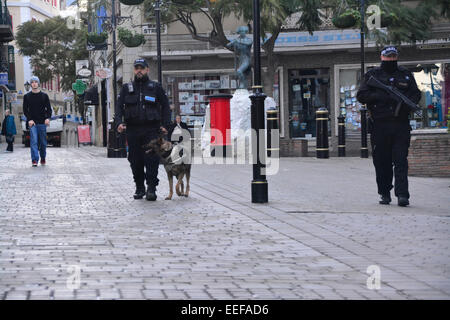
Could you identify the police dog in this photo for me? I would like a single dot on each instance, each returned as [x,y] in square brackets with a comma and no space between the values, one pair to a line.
[176,161]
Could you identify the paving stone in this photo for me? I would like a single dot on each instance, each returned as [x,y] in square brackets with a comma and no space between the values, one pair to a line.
[313,240]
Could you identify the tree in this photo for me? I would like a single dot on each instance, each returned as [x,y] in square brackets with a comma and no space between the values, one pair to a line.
[53,48]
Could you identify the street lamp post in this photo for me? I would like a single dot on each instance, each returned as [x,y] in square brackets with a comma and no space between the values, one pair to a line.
[364,149]
[259,187]
[158,39]
[114,25]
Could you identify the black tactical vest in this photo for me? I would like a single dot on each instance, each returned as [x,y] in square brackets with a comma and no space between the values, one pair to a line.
[401,79]
[141,103]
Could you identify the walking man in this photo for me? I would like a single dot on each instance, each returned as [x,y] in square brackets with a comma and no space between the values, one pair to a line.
[143,110]
[37,109]
[390,134]
[9,130]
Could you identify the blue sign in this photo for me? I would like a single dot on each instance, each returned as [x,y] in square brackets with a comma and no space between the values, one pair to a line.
[288,39]
[4,78]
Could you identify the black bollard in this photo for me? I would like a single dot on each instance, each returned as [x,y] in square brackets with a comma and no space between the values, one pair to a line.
[341,136]
[116,143]
[322,151]
[364,149]
[272,124]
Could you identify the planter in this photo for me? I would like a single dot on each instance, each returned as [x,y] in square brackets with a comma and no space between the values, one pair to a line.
[97,38]
[129,39]
[131,2]
[347,19]
[135,41]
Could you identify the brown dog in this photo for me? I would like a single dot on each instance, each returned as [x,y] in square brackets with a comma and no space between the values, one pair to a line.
[176,161]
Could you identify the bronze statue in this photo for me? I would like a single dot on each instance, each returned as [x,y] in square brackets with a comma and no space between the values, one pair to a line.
[242,48]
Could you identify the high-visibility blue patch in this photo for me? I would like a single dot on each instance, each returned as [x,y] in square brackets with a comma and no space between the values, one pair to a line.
[151,99]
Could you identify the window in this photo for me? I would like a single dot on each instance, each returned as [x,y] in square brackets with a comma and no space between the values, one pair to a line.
[309,90]
[187,93]
[349,81]
[433,80]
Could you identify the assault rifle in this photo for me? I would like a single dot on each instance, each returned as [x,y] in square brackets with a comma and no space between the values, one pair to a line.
[396,95]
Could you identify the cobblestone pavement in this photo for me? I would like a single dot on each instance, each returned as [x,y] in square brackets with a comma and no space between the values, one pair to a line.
[315,239]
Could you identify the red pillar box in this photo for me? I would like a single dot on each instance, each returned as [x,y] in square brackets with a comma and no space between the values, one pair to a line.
[220,120]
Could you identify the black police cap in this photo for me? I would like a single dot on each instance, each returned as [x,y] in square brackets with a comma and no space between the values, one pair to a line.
[140,62]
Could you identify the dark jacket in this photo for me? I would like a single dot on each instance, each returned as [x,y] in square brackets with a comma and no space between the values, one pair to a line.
[380,105]
[9,126]
[146,105]
[36,107]
[172,127]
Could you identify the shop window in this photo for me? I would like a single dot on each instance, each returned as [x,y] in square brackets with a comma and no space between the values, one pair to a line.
[433,80]
[187,94]
[349,81]
[309,90]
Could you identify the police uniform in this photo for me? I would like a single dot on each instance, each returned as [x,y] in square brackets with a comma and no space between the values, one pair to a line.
[144,107]
[390,134]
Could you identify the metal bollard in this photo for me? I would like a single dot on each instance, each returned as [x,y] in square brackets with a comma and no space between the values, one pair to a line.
[341,136]
[272,124]
[364,149]
[322,151]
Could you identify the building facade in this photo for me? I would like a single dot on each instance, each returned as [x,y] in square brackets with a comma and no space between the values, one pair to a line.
[23,11]
[314,71]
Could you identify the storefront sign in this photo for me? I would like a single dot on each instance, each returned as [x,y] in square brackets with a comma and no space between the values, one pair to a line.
[84,134]
[103,73]
[296,39]
[84,72]
[81,64]
[4,78]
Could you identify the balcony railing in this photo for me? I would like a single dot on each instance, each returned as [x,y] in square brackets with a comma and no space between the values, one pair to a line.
[6,27]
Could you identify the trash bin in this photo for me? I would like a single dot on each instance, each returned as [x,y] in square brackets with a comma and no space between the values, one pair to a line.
[116,144]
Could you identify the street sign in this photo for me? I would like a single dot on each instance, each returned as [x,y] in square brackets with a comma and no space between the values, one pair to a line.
[103,73]
[4,78]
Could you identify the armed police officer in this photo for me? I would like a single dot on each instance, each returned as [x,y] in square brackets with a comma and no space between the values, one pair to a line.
[145,110]
[389,123]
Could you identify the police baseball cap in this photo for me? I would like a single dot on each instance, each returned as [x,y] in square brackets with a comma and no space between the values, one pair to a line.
[389,51]
[140,62]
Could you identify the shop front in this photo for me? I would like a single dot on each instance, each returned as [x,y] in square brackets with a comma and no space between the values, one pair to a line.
[309,90]
[432,78]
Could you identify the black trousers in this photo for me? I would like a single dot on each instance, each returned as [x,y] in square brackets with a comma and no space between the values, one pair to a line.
[10,141]
[143,165]
[390,142]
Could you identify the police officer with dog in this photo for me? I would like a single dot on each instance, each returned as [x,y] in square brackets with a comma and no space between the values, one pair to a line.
[389,123]
[143,111]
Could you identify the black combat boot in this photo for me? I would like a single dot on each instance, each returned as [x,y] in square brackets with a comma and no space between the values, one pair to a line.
[140,192]
[403,201]
[385,199]
[151,194]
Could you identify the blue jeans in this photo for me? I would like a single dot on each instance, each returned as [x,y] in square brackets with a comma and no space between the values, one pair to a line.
[38,141]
